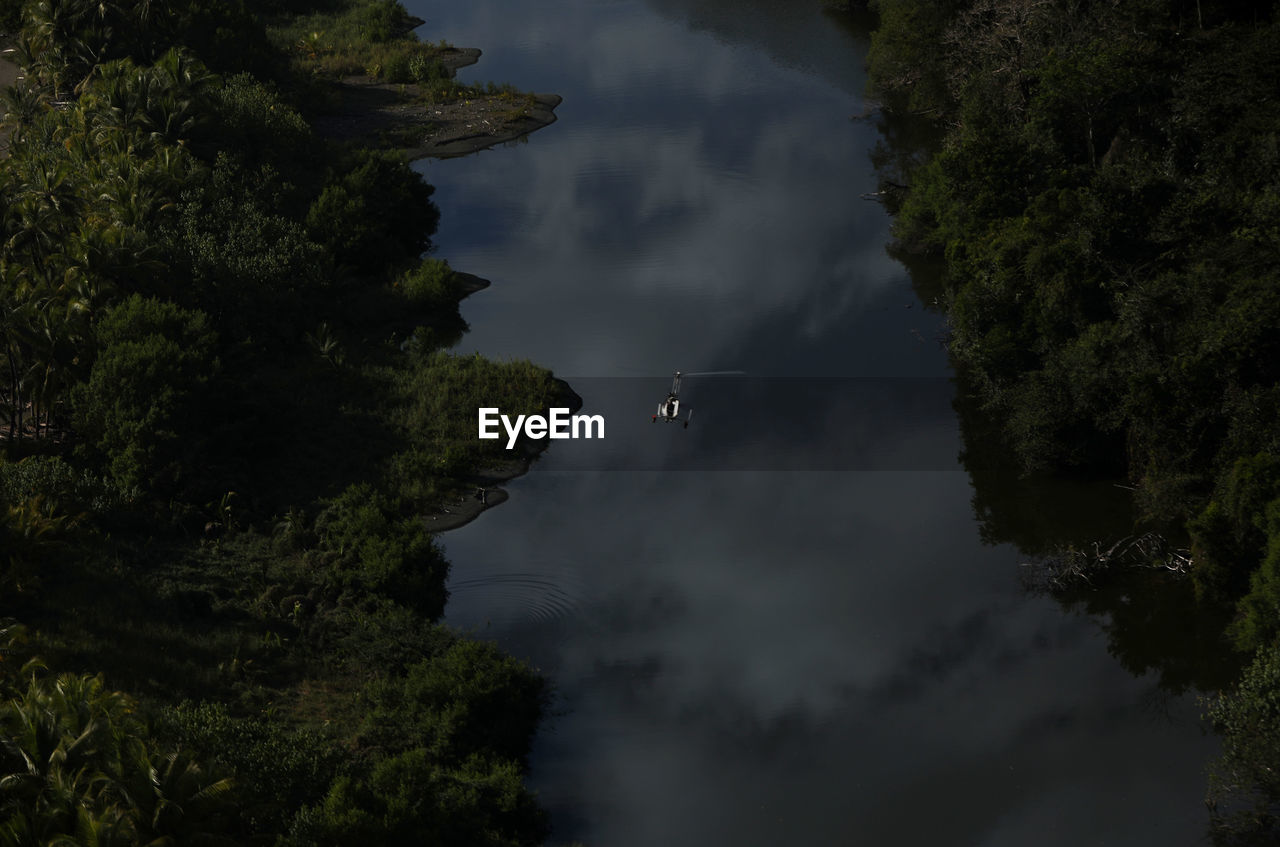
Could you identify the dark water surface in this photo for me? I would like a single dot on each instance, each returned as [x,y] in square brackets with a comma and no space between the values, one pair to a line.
[782,625]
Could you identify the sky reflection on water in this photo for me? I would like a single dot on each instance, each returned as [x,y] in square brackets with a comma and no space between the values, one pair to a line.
[691,208]
[835,648]
[754,652]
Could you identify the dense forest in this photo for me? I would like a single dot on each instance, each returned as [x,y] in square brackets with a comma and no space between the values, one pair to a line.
[1102,187]
[225,408]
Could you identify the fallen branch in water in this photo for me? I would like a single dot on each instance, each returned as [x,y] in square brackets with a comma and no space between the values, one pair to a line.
[1072,568]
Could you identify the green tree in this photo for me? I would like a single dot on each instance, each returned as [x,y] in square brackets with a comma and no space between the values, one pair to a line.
[142,404]
[378,214]
[1244,784]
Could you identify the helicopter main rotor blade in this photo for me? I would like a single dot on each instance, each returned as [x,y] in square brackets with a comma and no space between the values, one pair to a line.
[716,373]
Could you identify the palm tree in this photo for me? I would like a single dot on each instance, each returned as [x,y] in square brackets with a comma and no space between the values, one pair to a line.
[15,331]
[162,104]
[76,769]
[54,350]
[71,38]
[115,102]
[62,740]
[45,204]
[55,26]
[22,104]
[172,801]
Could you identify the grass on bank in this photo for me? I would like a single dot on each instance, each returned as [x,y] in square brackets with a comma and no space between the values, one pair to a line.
[375,39]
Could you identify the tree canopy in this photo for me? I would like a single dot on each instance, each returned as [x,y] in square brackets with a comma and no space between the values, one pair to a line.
[1104,198]
[225,411]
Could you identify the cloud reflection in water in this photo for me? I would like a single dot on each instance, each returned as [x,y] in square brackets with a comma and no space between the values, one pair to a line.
[759,653]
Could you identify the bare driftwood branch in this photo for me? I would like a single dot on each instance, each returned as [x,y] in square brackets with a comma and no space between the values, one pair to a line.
[1074,568]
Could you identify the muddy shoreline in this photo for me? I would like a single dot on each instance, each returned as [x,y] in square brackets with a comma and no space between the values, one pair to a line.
[399,115]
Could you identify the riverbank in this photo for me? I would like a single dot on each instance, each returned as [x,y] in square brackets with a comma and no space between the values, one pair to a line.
[266,409]
[378,113]
[1081,311]
[410,117]
[479,491]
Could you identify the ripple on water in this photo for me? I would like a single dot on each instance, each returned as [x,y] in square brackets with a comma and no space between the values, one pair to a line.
[507,598]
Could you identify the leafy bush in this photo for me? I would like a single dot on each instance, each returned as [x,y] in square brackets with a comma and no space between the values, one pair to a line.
[431,285]
[383,20]
[424,68]
[159,180]
[1259,623]
[457,727]
[366,544]
[397,69]
[410,798]
[1101,196]
[57,483]
[278,769]
[1230,534]
[1244,784]
[376,632]
[227,34]
[469,699]
[256,119]
[246,260]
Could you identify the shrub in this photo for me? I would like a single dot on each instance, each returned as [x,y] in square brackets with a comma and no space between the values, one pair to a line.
[384,20]
[432,284]
[278,769]
[397,68]
[256,120]
[1230,534]
[468,699]
[227,35]
[366,544]
[1259,623]
[410,798]
[59,484]
[423,68]
[376,215]
[1244,785]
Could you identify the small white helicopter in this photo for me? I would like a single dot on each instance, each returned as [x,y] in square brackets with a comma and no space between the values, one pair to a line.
[669,410]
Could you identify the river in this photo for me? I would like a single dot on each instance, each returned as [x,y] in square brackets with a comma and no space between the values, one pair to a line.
[788,623]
